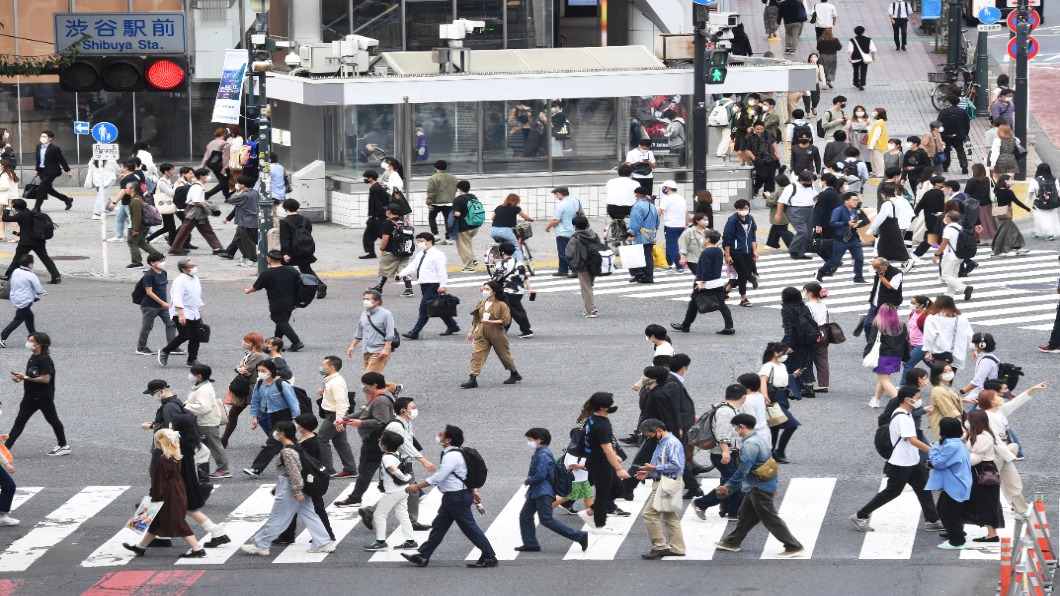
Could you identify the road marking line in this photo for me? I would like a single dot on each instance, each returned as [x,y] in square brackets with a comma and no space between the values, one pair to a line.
[604,547]
[700,535]
[342,520]
[503,533]
[896,525]
[805,504]
[429,505]
[240,525]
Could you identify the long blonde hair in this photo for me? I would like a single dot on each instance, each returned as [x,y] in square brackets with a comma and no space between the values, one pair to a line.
[168,441]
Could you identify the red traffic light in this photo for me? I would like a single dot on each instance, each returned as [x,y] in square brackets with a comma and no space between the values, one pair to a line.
[168,73]
[123,74]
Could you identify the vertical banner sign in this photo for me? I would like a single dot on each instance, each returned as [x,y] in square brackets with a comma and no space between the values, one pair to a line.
[230,91]
[931,9]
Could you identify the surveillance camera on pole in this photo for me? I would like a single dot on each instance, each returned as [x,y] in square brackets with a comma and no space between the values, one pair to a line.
[720,25]
[456,58]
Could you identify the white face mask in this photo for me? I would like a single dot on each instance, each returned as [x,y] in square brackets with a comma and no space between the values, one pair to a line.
[31,346]
[276,435]
[859,114]
[44,140]
[422,245]
[413,414]
[946,377]
[193,271]
[783,358]
[743,212]
[941,129]
[531,444]
[918,404]
[192,378]
[368,304]
[263,375]
[486,294]
[437,439]
[160,264]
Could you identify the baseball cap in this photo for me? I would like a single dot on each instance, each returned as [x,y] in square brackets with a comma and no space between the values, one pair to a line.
[155,385]
[670,184]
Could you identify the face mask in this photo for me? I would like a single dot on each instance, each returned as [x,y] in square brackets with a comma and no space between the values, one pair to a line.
[531,444]
[192,378]
[263,375]
[437,439]
[918,404]
[413,414]
[31,346]
[612,409]
[743,212]
[321,371]
[44,140]
[783,358]
[874,115]
[941,129]
[946,377]
[193,271]
[368,304]
[422,245]
[160,264]
[859,114]
[751,102]
[486,294]
[276,435]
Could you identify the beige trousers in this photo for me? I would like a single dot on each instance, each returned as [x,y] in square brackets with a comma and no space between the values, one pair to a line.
[464,248]
[586,283]
[1012,486]
[655,521]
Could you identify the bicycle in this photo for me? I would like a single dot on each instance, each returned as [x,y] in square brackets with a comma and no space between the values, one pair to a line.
[948,79]
[523,231]
[617,230]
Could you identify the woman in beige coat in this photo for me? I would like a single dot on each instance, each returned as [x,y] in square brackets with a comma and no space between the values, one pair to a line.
[489,324]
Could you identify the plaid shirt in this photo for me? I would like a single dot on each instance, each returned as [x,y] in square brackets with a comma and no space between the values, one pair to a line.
[761,146]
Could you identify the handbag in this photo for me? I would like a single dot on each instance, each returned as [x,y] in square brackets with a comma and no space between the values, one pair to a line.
[29,191]
[668,494]
[706,302]
[766,471]
[144,516]
[821,246]
[866,57]
[202,333]
[872,357]
[1020,150]
[947,356]
[442,305]
[215,161]
[1001,211]
[833,333]
[776,415]
[987,474]
[239,386]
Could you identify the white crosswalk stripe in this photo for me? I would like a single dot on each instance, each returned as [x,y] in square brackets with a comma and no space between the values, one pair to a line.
[804,505]
[992,300]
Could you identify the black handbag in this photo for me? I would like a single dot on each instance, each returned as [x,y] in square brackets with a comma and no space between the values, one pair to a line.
[706,302]
[395,343]
[1020,151]
[442,305]
[29,191]
[240,386]
[215,161]
[202,333]
[821,246]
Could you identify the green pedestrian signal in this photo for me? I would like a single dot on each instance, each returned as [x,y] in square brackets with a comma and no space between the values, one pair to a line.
[716,75]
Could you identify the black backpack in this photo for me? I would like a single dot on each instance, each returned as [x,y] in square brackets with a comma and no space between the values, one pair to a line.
[701,434]
[882,440]
[806,329]
[315,476]
[801,131]
[1007,372]
[1047,197]
[594,262]
[966,243]
[43,227]
[302,243]
[562,478]
[476,468]
[305,405]
[403,241]
[180,196]
[404,466]
[139,293]
[307,289]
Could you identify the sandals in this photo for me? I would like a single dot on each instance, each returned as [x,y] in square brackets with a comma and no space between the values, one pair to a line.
[746,303]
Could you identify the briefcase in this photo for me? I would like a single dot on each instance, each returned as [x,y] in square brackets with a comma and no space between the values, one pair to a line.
[202,333]
[442,305]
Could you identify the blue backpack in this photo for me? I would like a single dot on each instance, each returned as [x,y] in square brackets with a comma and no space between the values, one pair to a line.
[562,477]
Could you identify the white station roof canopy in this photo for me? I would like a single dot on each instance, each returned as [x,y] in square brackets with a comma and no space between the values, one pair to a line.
[500,75]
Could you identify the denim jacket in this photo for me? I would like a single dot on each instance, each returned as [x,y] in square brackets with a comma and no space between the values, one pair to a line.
[644,222]
[271,398]
[754,451]
[539,480]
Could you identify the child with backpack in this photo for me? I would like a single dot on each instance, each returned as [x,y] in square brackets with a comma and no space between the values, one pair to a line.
[957,245]
[580,487]
[395,474]
[541,482]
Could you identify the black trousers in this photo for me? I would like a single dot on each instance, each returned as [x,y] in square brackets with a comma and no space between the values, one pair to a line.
[744,264]
[950,516]
[22,315]
[693,310]
[187,332]
[272,446]
[897,478]
[900,26]
[222,185]
[46,188]
[371,457]
[282,318]
[777,233]
[169,227]
[432,219]
[26,410]
[861,71]
[604,479]
[954,142]
[515,305]
[41,250]
[764,176]
[371,234]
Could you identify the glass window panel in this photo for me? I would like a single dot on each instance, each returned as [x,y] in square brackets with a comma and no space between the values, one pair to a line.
[104,6]
[489,11]
[152,5]
[162,122]
[529,24]
[369,133]
[379,20]
[591,142]
[335,19]
[650,115]
[422,18]
[514,137]
[447,131]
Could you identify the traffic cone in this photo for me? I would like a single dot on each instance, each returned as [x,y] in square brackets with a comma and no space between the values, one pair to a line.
[1006,565]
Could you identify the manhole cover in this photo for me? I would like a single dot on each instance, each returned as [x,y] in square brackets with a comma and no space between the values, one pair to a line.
[69,258]
[1033,287]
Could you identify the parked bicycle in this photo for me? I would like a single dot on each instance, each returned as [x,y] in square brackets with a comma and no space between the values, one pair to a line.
[523,231]
[617,230]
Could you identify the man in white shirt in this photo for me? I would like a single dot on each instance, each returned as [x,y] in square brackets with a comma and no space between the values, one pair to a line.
[673,210]
[861,51]
[797,203]
[951,263]
[903,467]
[185,308]
[642,160]
[620,193]
[899,12]
[429,268]
[824,17]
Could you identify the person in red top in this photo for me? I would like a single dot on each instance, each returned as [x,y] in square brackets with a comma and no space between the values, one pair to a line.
[917,314]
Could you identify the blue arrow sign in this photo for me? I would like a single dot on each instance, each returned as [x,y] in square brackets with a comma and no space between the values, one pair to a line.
[105,132]
[81,127]
[989,15]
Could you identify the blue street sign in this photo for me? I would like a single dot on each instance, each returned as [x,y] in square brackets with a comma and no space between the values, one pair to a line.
[81,128]
[105,132]
[705,2]
[989,15]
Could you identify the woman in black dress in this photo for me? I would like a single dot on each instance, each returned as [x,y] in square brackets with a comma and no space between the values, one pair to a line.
[984,506]
[1008,237]
[800,361]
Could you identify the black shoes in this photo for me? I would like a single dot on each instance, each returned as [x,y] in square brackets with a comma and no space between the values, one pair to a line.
[56,280]
[282,541]
[297,346]
[528,549]
[471,383]
[418,527]
[418,560]
[484,562]
[680,327]
[366,519]
[726,331]
[134,548]
[698,469]
[69,203]
[860,327]
[513,379]
[368,256]
[410,335]
[193,554]
[450,331]
[160,543]
[780,457]
[968,292]
[656,554]
[693,493]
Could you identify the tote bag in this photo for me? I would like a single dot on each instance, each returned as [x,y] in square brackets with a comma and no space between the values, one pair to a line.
[668,494]
[144,516]
[632,256]
[872,358]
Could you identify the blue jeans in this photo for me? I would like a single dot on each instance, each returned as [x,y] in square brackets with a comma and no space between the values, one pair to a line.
[646,273]
[542,506]
[561,246]
[916,356]
[734,500]
[7,491]
[673,255]
[456,507]
[450,226]
[838,248]
[430,291]
[123,216]
[507,234]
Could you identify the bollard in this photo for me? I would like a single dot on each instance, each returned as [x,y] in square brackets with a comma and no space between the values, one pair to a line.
[1006,565]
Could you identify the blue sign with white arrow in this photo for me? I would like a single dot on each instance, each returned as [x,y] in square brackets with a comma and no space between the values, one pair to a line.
[81,127]
[105,132]
[989,15]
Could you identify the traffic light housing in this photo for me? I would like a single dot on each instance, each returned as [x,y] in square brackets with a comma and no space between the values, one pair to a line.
[717,67]
[125,73]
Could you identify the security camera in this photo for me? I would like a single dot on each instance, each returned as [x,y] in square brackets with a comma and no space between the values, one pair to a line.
[292,60]
[724,19]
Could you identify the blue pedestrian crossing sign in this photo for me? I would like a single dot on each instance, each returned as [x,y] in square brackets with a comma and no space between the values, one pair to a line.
[989,15]
[105,132]
[81,127]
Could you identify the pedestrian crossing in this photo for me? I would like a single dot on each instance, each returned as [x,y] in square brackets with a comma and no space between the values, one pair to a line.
[993,302]
[807,505]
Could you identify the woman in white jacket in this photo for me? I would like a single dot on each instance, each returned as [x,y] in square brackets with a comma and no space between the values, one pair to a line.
[8,189]
[209,416]
[998,410]
[946,331]
[101,176]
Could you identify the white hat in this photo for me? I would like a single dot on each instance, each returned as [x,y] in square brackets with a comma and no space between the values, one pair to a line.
[670,184]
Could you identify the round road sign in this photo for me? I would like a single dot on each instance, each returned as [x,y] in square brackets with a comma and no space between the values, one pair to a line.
[989,15]
[1033,18]
[1032,48]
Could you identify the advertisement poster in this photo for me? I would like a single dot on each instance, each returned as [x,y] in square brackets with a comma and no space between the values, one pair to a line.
[230,90]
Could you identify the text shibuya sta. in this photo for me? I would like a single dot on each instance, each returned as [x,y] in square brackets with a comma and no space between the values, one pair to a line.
[119,46]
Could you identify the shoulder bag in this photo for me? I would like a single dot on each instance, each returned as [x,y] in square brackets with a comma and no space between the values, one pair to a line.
[833,333]
[947,356]
[766,471]
[872,357]
[29,191]
[987,474]
[395,343]
[866,56]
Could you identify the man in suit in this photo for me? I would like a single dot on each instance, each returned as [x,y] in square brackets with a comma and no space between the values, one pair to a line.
[50,165]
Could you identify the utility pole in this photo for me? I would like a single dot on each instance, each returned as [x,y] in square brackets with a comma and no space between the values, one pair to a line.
[1023,33]
[699,98]
[258,107]
[982,75]
[953,56]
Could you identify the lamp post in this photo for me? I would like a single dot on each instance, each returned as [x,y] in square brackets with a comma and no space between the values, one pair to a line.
[699,98]
[1023,32]
[258,108]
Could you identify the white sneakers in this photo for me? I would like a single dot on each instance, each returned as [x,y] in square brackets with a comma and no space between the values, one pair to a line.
[115,239]
[253,549]
[6,521]
[874,403]
[324,548]
[61,450]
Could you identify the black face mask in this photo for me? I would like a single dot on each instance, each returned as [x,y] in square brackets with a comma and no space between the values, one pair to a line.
[612,409]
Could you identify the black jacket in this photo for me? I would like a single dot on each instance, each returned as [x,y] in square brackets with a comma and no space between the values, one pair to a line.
[955,122]
[24,219]
[792,11]
[287,227]
[54,162]
[890,345]
[827,202]
[663,403]
[378,199]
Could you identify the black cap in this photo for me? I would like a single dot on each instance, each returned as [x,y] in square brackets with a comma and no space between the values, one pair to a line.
[643,190]
[155,385]
[394,208]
